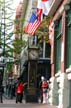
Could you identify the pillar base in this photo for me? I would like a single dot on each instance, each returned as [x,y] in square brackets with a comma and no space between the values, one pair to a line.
[63,91]
[53,94]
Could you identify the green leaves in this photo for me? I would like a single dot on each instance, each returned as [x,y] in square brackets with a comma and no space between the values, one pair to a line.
[18,45]
[9,66]
[42,31]
[6,26]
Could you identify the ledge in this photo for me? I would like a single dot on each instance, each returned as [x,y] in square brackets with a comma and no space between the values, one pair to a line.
[68,70]
[54,7]
[57,74]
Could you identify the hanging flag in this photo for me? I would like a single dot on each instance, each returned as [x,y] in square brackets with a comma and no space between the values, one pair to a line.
[51,32]
[44,5]
[39,4]
[32,25]
[39,14]
[40,10]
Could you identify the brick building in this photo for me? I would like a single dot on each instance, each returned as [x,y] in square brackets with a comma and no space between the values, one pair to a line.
[60,81]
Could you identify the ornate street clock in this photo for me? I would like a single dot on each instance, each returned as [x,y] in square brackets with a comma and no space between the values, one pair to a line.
[33,53]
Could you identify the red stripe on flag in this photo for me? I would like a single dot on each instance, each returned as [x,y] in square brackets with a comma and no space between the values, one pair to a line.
[44,0]
[33,24]
[34,28]
[39,14]
[31,28]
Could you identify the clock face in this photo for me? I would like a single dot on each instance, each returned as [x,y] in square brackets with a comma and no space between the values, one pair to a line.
[33,54]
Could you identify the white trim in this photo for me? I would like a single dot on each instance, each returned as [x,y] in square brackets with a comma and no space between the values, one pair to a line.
[62,52]
[69,76]
[68,70]
[57,74]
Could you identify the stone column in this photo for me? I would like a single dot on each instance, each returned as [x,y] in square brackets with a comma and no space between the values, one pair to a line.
[53,94]
[63,91]
[64,83]
[53,88]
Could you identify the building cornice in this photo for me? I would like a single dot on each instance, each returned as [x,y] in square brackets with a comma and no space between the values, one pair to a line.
[56,9]
[56,6]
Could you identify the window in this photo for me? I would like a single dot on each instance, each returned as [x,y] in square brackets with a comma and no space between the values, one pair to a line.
[69,39]
[58,33]
[47,51]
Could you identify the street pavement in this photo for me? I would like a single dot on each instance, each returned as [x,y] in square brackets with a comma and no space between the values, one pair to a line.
[8,103]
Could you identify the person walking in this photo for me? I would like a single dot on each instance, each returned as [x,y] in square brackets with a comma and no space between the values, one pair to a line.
[44,87]
[19,92]
[1,93]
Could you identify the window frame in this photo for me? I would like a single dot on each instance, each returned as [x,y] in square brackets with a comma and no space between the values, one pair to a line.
[68,60]
[58,37]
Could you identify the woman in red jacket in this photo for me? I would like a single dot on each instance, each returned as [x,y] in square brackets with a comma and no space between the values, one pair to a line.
[19,92]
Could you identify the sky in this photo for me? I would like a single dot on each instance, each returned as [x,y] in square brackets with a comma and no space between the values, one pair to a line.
[15,4]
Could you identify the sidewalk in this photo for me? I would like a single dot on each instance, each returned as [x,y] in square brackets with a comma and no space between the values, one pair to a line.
[10,102]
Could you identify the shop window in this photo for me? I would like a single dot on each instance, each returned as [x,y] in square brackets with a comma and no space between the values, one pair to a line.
[47,51]
[58,33]
[69,39]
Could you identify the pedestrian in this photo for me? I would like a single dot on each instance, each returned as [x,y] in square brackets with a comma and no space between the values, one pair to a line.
[44,90]
[1,93]
[12,90]
[40,92]
[44,87]
[19,92]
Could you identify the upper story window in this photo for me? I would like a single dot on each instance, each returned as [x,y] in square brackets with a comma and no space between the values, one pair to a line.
[68,60]
[58,32]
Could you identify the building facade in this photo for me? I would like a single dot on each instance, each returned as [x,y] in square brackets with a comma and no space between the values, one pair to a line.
[29,7]
[38,56]
[60,82]
[18,35]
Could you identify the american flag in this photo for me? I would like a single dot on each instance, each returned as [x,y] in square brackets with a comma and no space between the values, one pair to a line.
[33,24]
[44,5]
